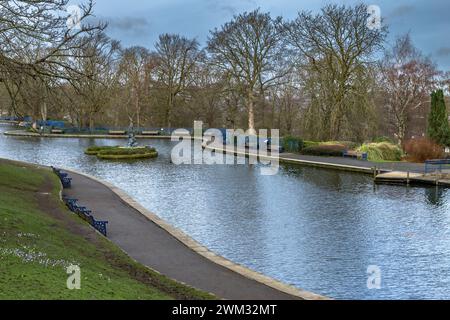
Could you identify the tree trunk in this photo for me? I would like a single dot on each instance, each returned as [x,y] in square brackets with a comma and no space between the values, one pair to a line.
[138,115]
[91,122]
[138,109]
[401,132]
[169,109]
[251,112]
[44,111]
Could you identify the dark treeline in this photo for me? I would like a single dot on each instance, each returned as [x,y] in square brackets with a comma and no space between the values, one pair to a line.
[324,76]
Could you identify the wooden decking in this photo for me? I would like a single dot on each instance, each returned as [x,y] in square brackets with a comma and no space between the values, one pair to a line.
[410,178]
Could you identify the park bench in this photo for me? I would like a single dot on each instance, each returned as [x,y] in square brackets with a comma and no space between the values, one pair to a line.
[64,177]
[83,212]
[100,226]
[66,182]
[57,131]
[150,133]
[116,132]
[70,203]
[436,164]
[355,154]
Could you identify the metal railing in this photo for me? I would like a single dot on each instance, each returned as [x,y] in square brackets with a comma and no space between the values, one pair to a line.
[437,165]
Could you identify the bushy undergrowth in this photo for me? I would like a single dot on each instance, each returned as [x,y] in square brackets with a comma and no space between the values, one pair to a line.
[420,150]
[350,145]
[383,139]
[383,151]
[330,150]
[308,144]
[293,144]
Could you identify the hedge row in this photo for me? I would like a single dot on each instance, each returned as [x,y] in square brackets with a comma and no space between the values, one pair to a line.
[293,144]
[128,156]
[93,151]
[122,153]
[326,150]
[126,151]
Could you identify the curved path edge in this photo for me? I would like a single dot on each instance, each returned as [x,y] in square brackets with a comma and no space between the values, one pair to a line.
[336,163]
[201,250]
[281,159]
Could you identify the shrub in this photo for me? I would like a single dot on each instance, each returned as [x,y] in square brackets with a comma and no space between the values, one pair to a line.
[122,153]
[93,151]
[293,144]
[383,139]
[128,156]
[330,150]
[420,150]
[438,127]
[307,144]
[382,151]
[126,151]
[348,144]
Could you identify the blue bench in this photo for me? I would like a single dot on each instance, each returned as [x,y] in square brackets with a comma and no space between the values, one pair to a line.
[83,212]
[355,154]
[86,215]
[64,177]
[70,203]
[439,163]
[66,182]
[101,227]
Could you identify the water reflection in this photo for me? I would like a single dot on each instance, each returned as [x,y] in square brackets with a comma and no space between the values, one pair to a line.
[314,228]
[435,196]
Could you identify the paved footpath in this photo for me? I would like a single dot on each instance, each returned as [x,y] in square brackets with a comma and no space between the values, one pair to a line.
[347,164]
[388,166]
[154,247]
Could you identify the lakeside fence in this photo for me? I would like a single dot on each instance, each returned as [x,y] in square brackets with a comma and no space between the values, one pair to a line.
[438,165]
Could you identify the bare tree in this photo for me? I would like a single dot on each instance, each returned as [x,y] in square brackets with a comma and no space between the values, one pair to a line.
[40,26]
[334,46]
[407,80]
[248,49]
[97,65]
[134,77]
[176,58]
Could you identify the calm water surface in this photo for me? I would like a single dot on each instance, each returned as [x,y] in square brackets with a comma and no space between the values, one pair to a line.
[316,229]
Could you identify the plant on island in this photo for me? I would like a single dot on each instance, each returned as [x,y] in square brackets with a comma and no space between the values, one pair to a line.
[122,153]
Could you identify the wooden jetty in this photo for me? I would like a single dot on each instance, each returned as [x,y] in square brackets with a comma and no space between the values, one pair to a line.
[410,178]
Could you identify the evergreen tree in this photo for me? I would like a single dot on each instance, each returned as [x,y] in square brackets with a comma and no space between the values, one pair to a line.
[438,127]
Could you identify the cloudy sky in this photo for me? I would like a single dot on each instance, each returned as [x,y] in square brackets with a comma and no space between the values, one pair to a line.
[139,22]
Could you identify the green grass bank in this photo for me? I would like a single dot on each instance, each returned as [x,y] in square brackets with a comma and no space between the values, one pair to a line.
[40,238]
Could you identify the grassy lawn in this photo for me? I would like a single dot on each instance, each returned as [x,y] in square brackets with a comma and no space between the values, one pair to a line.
[37,246]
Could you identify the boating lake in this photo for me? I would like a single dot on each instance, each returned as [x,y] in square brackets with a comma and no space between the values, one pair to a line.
[316,229]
